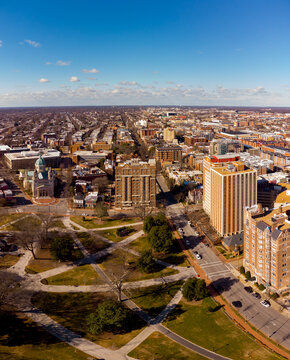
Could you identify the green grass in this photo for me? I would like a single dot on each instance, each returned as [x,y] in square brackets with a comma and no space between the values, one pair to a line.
[159,347]
[57,224]
[81,275]
[71,310]
[120,261]
[4,219]
[94,223]
[215,331]
[21,339]
[111,234]
[91,242]
[177,257]
[24,223]
[44,261]
[8,260]
[153,299]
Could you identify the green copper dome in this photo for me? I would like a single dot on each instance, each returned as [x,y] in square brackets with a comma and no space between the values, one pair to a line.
[40,161]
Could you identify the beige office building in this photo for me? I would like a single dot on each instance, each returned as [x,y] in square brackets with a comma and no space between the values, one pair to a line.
[135,184]
[168,134]
[227,188]
[267,246]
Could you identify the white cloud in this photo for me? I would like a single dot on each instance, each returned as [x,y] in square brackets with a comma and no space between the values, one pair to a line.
[63,63]
[74,79]
[147,94]
[1,43]
[32,43]
[43,80]
[130,83]
[47,63]
[92,71]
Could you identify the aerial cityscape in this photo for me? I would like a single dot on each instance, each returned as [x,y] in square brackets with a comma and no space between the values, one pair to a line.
[144,180]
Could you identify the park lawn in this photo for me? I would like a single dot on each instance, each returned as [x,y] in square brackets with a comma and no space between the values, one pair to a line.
[215,331]
[120,261]
[111,234]
[4,219]
[72,309]
[91,242]
[22,339]
[57,223]
[44,261]
[81,275]
[159,347]
[24,222]
[153,299]
[8,260]
[94,223]
[177,257]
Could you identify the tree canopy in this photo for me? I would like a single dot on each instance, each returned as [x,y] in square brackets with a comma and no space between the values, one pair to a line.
[146,262]
[195,289]
[62,248]
[158,220]
[109,316]
[160,238]
[101,210]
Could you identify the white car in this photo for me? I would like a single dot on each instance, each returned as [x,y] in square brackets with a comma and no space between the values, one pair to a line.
[265,303]
[198,257]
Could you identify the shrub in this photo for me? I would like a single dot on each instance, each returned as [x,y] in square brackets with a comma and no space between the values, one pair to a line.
[242,270]
[248,275]
[274,296]
[261,287]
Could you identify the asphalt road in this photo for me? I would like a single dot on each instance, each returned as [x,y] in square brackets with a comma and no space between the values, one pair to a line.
[267,320]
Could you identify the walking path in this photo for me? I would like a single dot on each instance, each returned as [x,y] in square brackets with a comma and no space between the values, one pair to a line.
[31,283]
[230,312]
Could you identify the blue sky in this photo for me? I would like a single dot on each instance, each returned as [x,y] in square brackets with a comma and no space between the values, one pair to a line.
[191,52]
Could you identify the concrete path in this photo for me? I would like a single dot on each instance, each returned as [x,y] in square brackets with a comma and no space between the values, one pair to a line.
[82,228]
[31,284]
[13,222]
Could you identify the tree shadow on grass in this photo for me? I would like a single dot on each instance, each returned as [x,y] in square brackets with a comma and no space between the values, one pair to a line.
[175,313]
[16,332]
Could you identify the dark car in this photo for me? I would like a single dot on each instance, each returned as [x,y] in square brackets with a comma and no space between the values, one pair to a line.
[256,295]
[248,289]
[237,304]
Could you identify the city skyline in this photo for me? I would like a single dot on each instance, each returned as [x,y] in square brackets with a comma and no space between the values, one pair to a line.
[232,53]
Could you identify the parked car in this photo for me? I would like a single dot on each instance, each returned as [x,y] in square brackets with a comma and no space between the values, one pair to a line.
[207,245]
[248,289]
[265,303]
[237,304]
[198,257]
[256,295]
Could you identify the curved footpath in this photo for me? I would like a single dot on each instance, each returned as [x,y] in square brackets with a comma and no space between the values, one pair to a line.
[31,283]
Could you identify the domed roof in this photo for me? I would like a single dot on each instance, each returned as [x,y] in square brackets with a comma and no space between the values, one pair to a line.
[40,161]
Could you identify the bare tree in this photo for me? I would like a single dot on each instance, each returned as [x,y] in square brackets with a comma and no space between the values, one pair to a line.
[119,278]
[29,237]
[46,223]
[9,283]
[142,211]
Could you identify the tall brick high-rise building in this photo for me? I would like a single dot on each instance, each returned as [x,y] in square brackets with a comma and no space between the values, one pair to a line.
[267,245]
[135,184]
[227,188]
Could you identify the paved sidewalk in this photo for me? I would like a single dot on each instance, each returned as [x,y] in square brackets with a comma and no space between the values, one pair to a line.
[227,308]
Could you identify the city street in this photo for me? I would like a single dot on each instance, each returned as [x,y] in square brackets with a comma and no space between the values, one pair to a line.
[267,320]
